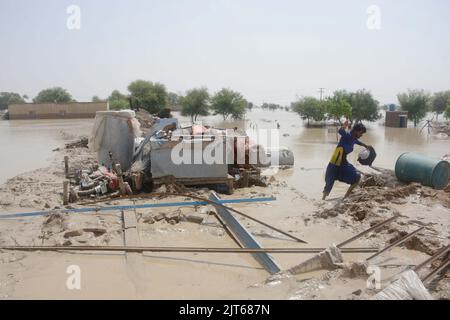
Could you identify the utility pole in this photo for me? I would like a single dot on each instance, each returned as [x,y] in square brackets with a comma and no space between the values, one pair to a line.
[321,93]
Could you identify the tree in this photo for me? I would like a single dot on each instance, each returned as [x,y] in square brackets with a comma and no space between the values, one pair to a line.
[250,105]
[416,103]
[364,106]
[195,103]
[148,95]
[270,106]
[53,95]
[362,103]
[7,98]
[447,111]
[173,99]
[227,103]
[97,99]
[165,113]
[118,101]
[338,107]
[440,101]
[309,108]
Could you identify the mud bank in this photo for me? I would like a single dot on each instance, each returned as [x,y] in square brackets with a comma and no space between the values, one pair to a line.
[214,275]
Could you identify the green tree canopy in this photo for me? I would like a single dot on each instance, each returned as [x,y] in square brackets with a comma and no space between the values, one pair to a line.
[440,101]
[195,103]
[97,99]
[447,111]
[362,103]
[173,99]
[7,98]
[338,107]
[270,106]
[309,108]
[416,103]
[227,103]
[53,95]
[118,101]
[364,106]
[148,95]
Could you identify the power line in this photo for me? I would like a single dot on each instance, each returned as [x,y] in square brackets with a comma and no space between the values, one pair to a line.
[321,90]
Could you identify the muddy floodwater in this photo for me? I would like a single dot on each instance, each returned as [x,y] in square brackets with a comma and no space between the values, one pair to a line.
[27,144]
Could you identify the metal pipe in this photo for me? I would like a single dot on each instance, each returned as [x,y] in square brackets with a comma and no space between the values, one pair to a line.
[128,207]
[429,276]
[367,231]
[243,214]
[165,194]
[180,249]
[399,241]
[439,253]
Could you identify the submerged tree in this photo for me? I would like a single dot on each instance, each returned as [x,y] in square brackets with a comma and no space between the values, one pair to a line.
[148,95]
[440,101]
[227,103]
[309,108]
[195,103]
[53,95]
[416,103]
[363,105]
[447,111]
[338,108]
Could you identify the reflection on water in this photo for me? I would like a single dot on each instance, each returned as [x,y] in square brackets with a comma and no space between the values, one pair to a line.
[27,145]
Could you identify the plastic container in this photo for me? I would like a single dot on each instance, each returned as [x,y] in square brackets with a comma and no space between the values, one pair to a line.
[413,167]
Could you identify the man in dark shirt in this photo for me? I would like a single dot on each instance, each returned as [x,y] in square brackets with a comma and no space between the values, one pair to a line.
[339,168]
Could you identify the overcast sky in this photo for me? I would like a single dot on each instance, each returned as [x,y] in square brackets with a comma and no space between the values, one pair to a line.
[271,51]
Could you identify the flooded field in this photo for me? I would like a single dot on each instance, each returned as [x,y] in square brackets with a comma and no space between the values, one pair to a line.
[27,145]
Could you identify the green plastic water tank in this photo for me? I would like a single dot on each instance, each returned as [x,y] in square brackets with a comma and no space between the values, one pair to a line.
[413,167]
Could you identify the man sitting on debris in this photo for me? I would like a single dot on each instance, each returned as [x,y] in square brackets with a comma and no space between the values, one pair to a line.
[339,168]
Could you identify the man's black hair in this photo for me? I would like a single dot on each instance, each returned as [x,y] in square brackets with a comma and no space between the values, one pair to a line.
[359,127]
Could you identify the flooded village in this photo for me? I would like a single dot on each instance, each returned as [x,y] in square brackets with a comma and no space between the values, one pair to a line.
[225,182]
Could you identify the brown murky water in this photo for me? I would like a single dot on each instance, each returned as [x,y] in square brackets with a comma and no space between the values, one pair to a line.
[27,145]
[312,147]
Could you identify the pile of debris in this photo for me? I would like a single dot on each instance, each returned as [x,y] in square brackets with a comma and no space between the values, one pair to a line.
[80,143]
[378,189]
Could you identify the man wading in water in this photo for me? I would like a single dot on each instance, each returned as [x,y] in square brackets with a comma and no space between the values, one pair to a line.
[339,168]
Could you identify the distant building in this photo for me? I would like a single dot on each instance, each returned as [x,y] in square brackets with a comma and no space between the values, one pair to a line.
[71,110]
[397,119]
